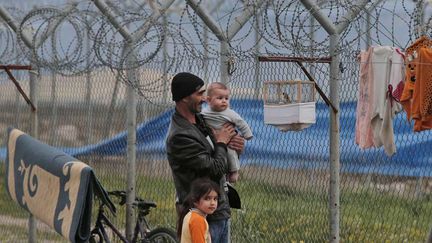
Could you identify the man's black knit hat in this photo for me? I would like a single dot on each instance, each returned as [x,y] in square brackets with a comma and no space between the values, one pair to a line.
[185,84]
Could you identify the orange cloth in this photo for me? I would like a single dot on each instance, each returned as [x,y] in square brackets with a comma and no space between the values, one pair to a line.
[422,97]
[416,97]
[408,90]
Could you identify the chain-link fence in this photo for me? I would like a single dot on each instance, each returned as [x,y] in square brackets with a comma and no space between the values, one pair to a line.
[284,176]
[285,184]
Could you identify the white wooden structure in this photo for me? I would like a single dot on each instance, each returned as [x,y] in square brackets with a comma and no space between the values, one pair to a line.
[289,104]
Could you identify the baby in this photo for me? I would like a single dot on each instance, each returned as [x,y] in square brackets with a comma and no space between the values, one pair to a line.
[218,113]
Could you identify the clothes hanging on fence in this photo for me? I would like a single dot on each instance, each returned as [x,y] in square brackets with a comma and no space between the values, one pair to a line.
[416,97]
[381,73]
[363,128]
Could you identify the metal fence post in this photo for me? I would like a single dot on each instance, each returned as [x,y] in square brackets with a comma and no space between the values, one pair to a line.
[130,120]
[131,116]
[334,32]
[88,74]
[224,61]
[35,133]
[334,142]
[233,29]
[257,53]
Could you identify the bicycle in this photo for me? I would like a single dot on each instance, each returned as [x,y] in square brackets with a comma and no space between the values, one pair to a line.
[143,233]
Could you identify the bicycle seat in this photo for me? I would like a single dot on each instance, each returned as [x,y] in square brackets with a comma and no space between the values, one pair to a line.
[140,203]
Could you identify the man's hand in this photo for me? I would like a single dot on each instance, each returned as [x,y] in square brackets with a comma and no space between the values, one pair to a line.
[237,143]
[224,134]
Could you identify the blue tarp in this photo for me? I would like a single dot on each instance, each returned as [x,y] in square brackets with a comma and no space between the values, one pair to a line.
[308,149]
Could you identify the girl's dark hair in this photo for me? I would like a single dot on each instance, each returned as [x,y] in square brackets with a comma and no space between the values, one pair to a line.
[199,188]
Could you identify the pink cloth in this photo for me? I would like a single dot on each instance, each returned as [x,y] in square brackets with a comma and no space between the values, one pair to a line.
[381,73]
[363,128]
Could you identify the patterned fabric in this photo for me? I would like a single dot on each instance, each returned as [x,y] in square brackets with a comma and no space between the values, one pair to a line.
[53,186]
[416,97]
[397,93]
[422,96]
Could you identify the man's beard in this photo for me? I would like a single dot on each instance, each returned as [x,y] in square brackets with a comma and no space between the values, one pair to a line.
[197,109]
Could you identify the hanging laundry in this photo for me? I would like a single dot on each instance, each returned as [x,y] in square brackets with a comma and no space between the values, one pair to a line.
[394,91]
[397,76]
[363,128]
[411,60]
[381,79]
[416,97]
[388,72]
[422,96]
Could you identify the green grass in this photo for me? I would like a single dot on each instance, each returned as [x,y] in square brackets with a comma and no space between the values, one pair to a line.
[20,234]
[280,214]
[7,207]
[274,213]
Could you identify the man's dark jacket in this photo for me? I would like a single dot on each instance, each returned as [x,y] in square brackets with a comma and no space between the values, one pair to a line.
[191,156]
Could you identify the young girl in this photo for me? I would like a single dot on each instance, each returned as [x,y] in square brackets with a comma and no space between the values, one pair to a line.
[201,201]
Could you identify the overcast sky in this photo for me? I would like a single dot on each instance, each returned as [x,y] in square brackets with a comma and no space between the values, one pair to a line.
[392,30]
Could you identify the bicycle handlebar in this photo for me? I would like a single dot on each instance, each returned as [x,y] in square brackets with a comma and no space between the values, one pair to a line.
[139,202]
[119,194]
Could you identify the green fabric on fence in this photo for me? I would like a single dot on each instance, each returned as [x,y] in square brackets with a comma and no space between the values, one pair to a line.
[53,186]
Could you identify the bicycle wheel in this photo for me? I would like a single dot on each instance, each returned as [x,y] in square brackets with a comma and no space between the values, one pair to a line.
[105,234]
[162,235]
[94,239]
[96,236]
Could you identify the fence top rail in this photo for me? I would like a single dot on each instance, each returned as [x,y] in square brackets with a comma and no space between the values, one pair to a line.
[8,69]
[16,67]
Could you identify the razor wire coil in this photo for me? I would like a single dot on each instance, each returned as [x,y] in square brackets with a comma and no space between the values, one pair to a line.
[276,27]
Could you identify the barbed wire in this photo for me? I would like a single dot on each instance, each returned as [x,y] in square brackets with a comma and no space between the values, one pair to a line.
[78,37]
[9,51]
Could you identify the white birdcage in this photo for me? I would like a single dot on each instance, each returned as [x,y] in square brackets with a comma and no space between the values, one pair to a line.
[289,104]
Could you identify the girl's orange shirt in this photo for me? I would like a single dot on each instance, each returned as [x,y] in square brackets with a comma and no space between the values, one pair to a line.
[195,228]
